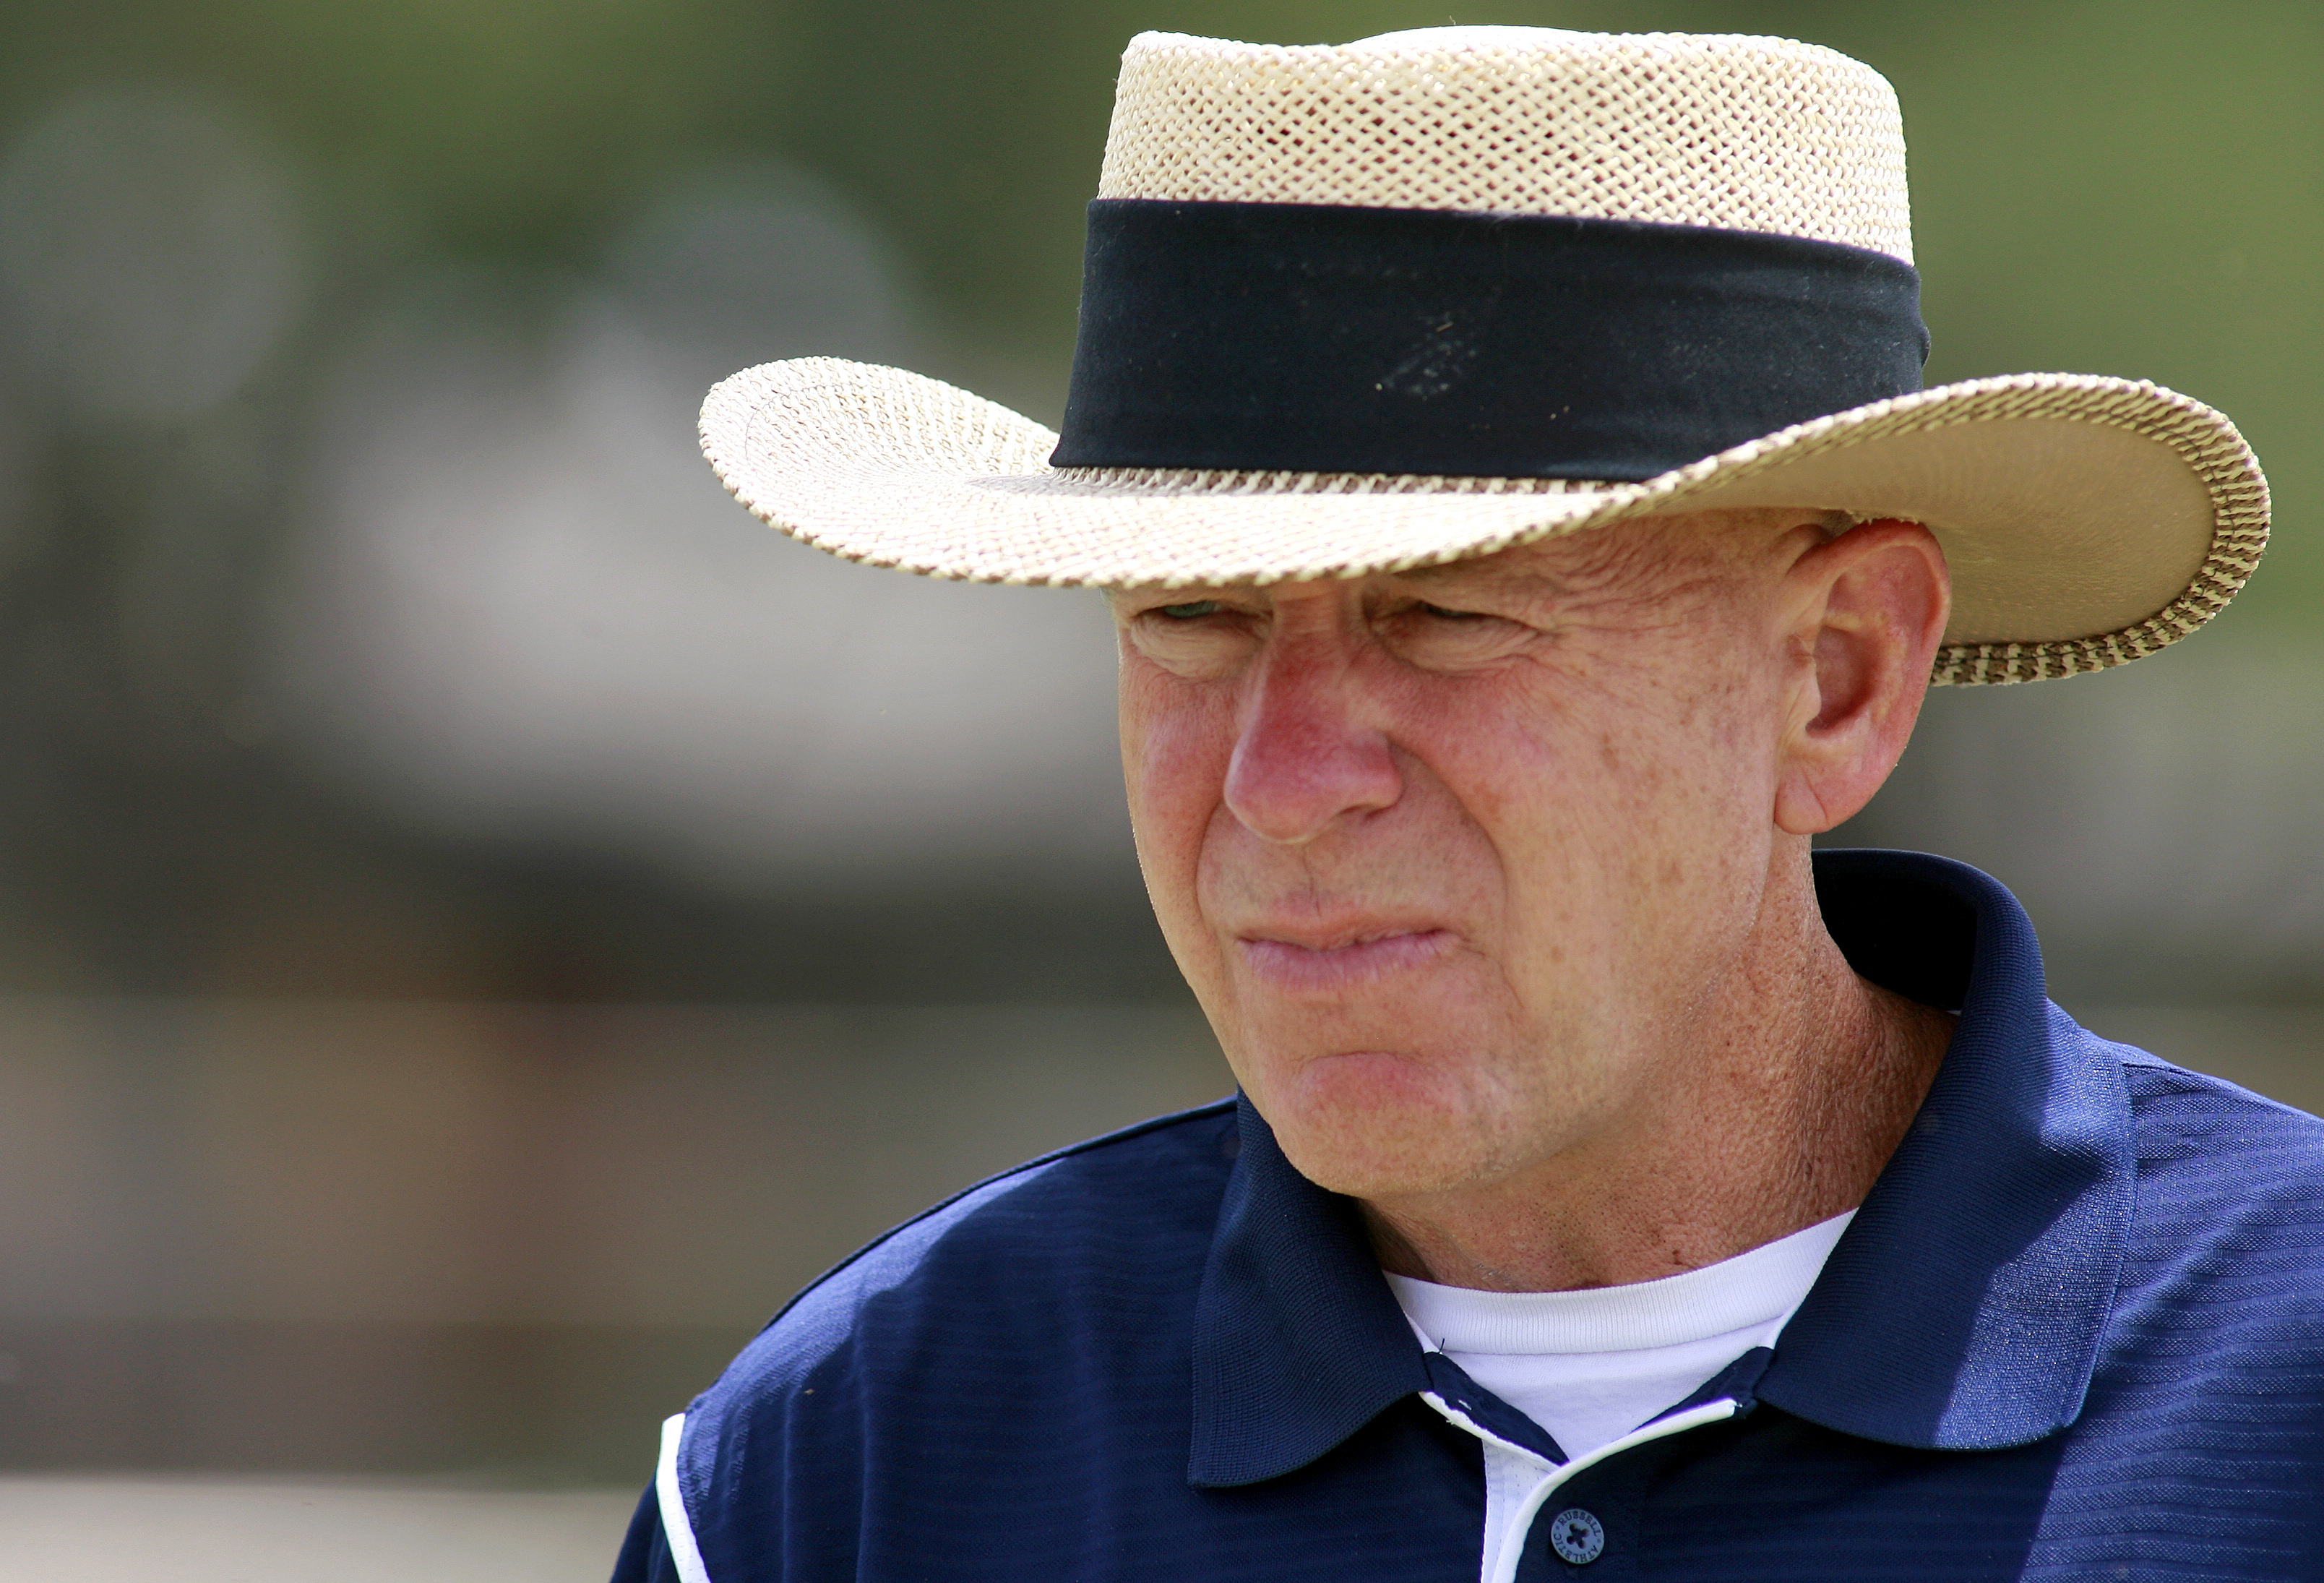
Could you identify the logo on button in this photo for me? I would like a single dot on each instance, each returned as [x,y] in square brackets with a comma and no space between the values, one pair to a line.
[1577,1536]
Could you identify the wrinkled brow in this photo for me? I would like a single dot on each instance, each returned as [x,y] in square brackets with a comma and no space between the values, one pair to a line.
[1526,577]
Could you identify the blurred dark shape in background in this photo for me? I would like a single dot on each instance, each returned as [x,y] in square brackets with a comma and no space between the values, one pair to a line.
[481,920]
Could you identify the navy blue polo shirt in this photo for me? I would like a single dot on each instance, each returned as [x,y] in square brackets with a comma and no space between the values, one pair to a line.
[2076,1330]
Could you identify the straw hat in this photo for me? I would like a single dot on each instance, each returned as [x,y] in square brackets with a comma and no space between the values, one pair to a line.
[1350,309]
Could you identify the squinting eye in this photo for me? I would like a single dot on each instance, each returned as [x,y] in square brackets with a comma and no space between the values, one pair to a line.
[1191,612]
[1442,614]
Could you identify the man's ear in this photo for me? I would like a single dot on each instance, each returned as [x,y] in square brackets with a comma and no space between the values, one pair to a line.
[1867,611]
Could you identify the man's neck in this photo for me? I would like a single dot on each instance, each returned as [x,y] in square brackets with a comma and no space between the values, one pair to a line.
[1775,1109]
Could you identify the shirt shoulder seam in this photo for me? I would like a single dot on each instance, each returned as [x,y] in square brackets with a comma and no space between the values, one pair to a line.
[2187,1080]
[1103,1140]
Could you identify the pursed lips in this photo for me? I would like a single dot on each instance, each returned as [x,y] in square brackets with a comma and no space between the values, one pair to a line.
[1283,961]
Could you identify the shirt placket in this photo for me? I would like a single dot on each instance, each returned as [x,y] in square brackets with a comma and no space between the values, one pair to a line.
[1521,1487]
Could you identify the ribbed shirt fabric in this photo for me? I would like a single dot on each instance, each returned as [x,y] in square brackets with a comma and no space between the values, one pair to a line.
[1591,1365]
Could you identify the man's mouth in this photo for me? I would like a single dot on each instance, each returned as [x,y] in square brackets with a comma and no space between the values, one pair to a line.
[1297,966]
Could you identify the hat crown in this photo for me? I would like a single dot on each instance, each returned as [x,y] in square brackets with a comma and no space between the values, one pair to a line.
[1722,130]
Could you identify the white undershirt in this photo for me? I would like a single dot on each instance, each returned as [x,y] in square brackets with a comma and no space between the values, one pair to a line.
[1590,1367]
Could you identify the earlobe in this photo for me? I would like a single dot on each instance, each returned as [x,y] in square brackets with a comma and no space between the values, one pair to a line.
[1875,602]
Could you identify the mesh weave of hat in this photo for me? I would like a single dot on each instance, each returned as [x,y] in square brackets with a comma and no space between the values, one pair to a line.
[1740,133]
[2059,497]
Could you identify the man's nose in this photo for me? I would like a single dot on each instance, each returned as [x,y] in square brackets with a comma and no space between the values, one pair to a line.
[1306,756]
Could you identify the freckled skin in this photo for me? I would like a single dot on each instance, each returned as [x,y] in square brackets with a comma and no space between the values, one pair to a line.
[1493,880]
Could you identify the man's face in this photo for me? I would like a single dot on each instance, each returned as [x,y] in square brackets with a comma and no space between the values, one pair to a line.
[1447,854]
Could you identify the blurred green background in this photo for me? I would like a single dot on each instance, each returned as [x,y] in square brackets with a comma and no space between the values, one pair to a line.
[2126,187]
[430,811]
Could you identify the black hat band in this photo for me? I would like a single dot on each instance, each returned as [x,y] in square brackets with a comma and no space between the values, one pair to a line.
[1315,339]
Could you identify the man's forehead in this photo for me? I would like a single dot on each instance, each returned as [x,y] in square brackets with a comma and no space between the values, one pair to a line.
[1503,566]
[1535,563]
[1638,548]
[1532,568]
[1514,561]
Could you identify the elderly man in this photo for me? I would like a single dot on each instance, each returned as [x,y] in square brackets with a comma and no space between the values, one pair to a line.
[1503,451]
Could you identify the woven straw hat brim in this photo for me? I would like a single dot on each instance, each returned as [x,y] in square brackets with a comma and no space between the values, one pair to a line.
[2088,522]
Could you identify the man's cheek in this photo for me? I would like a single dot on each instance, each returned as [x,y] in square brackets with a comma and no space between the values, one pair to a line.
[1178,765]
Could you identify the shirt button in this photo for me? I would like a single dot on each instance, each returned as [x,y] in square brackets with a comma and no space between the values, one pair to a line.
[1577,1536]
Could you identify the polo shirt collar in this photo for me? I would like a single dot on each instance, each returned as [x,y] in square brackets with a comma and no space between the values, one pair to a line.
[1298,1341]
[1961,1310]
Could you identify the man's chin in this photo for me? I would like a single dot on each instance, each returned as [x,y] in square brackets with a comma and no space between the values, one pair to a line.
[1372,1124]
[1387,1175]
